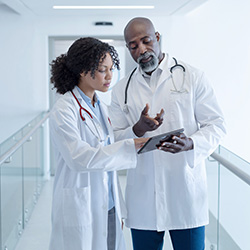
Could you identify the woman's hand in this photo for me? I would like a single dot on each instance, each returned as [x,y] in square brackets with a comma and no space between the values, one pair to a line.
[139,142]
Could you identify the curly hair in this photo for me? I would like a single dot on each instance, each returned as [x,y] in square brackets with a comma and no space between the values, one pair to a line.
[83,56]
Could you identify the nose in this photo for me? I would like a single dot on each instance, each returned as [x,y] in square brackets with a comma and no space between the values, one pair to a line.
[142,48]
[109,75]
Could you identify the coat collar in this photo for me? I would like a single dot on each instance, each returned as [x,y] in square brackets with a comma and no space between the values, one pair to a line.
[104,111]
[83,103]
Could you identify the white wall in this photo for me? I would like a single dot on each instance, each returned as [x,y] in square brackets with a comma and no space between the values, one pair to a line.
[216,38]
[22,96]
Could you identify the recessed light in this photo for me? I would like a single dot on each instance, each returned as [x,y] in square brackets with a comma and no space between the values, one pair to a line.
[63,7]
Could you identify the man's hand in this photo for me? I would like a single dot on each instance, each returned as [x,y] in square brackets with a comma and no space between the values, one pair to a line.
[146,123]
[177,144]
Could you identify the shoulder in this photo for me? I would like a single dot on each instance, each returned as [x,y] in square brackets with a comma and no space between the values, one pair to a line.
[192,73]
[121,85]
[63,101]
[190,68]
[64,106]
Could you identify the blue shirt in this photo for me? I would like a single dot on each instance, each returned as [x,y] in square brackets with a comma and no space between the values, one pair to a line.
[97,111]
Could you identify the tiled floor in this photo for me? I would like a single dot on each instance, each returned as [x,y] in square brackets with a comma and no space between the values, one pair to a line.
[37,233]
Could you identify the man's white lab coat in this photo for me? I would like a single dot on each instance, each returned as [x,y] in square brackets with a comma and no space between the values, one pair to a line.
[169,191]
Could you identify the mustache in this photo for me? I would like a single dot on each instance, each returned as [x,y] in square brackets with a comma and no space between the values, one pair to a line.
[144,56]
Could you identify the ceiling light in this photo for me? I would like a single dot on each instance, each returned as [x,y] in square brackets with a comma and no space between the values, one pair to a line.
[107,40]
[62,7]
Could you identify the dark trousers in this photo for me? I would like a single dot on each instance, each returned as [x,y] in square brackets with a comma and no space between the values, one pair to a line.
[186,239]
[111,229]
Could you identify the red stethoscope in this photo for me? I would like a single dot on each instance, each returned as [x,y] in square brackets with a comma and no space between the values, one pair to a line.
[81,110]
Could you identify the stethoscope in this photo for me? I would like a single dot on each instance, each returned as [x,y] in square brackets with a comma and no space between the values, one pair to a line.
[81,110]
[175,90]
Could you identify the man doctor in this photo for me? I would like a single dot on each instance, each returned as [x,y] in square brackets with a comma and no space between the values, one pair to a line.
[167,191]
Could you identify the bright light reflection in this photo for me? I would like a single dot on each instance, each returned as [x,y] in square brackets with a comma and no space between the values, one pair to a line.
[103,7]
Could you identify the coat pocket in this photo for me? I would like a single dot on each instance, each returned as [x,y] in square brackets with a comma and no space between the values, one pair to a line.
[76,207]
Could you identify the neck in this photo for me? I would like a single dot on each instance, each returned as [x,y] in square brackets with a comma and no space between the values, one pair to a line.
[162,56]
[89,93]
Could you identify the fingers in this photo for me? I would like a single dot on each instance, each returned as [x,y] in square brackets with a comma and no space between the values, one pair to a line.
[153,123]
[149,122]
[179,140]
[171,148]
[176,144]
[145,110]
[159,117]
[161,114]
[171,145]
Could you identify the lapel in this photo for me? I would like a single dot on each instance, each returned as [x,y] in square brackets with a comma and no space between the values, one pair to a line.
[92,122]
[165,65]
[107,121]
[140,79]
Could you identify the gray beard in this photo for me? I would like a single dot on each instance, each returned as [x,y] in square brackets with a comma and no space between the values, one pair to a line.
[150,65]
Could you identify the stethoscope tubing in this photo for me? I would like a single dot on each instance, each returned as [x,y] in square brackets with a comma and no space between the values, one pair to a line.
[125,109]
[81,108]
[128,82]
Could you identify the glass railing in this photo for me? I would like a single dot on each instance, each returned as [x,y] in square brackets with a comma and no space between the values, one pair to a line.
[21,179]
[229,201]
[22,176]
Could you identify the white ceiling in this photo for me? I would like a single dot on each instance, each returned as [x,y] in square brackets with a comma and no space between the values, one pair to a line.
[44,7]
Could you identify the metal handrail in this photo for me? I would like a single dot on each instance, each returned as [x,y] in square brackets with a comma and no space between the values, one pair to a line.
[15,147]
[230,166]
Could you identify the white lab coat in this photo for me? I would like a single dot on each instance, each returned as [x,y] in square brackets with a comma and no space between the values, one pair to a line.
[80,198]
[169,191]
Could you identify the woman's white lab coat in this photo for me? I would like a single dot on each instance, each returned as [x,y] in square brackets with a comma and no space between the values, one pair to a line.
[80,198]
[169,191]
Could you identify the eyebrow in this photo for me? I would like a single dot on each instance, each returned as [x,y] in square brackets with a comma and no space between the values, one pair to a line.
[105,66]
[140,40]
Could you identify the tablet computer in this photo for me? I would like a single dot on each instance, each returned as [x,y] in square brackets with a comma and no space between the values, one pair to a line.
[153,141]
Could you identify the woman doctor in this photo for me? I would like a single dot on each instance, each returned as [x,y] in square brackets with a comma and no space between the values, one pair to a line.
[87,203]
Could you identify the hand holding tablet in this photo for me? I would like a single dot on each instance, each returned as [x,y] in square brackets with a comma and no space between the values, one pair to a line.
[155,141]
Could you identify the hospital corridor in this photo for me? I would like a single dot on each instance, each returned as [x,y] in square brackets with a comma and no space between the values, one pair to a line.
[191,71]
[37,234]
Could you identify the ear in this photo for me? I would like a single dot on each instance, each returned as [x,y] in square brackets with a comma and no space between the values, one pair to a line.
[82,74]
[158,36]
